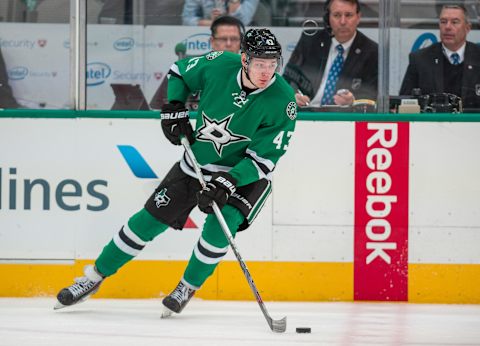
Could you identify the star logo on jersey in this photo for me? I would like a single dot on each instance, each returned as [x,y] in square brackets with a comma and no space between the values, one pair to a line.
[161,199]
[218,133]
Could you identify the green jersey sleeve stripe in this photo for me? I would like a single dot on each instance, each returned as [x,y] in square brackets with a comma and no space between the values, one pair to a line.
[172,73]
[261,174]
[259,165]
[268,165]
[259,205]
[175,69]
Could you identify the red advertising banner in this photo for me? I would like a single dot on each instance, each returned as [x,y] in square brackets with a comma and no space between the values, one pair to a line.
[381,211]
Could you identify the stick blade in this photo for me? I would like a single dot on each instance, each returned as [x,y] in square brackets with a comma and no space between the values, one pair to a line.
[278,326]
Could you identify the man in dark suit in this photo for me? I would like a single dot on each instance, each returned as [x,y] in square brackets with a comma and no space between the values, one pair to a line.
[314,57]
[450,66]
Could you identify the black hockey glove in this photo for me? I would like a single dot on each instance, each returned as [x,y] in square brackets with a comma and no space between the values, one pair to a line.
[217,190]
[176,123]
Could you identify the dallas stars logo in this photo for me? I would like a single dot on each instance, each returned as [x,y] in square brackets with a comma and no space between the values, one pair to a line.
[218,133]
[161,199]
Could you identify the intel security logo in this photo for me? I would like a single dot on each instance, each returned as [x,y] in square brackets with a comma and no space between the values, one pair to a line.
[97,73]
[198,44]
[17,73]
[124,44]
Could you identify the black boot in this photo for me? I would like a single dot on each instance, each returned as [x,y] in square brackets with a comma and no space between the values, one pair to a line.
[178,299]
[83,288]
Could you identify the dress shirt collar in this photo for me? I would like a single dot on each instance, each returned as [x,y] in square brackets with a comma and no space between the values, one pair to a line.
[346,45]
[448,53]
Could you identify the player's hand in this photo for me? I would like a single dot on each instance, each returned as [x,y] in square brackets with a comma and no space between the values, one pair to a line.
[343,97]
[176,123]
[218,190]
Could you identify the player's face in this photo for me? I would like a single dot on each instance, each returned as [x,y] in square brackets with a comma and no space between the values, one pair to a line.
[344,20]
[260,71]
[453,28]
[227,37]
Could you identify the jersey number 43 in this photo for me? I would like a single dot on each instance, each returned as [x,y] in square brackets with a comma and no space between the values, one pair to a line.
[281,140]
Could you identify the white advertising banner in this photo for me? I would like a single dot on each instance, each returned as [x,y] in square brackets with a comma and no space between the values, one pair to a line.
[38,59]
[68,185]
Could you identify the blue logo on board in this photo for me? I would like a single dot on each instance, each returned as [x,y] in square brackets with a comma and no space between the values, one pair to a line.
[124,44]
[97,73]
[135,161]
[17,73]
[198,44]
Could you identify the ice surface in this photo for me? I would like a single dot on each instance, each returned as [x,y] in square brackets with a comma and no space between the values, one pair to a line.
[32,321]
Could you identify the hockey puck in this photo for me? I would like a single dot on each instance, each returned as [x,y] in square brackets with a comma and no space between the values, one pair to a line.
[303,330]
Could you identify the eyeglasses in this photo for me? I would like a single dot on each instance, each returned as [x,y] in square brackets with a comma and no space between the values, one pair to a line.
[224,40]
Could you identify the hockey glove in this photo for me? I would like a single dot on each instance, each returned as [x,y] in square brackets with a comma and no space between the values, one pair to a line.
[176,123]
[218,190]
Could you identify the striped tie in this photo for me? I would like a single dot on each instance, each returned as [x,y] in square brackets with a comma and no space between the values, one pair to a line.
[455,59]
[333,74]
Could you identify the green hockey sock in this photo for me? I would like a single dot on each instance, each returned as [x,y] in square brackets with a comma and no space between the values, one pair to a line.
[128,242]
[211,247]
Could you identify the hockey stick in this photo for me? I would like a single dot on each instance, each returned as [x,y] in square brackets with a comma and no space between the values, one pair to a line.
[278,326]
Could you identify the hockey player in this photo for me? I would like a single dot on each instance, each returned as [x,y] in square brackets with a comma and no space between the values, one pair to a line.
[246,117]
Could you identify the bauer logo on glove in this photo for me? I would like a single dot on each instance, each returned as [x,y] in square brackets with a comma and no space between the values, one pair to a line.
[226,183]
[175,115]
[176,123]
[218,190]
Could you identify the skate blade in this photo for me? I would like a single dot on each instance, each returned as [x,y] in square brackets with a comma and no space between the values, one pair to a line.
[59,306]
[166,313]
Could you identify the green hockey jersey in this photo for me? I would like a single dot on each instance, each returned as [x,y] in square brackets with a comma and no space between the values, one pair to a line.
[242,134]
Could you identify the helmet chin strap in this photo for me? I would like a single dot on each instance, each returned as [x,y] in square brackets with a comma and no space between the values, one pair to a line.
[245,69]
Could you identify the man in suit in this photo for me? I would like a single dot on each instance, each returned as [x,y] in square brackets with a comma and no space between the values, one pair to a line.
[450,66]
[314,59]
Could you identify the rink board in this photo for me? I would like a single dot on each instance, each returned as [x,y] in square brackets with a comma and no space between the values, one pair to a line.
[81,189]
[276,281]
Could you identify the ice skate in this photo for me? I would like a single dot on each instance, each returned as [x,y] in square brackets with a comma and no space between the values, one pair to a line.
[83,288]
[177,300]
